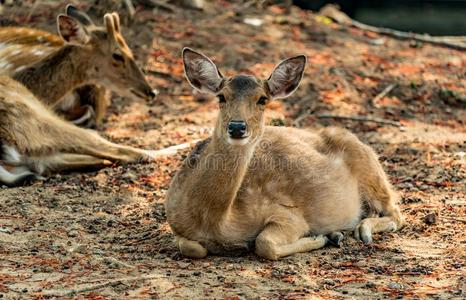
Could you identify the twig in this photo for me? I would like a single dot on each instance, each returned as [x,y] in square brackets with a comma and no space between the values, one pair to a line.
[33,9]
[455,219]
[172,149]
[361,118]
[332,11]
[160,4]
[130,7]
[382,94]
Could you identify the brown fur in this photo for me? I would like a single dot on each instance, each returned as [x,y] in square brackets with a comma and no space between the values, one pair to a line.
[280,186]
[51,69]
[44,142]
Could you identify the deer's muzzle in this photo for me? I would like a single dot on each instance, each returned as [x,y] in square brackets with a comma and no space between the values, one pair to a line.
[237,129]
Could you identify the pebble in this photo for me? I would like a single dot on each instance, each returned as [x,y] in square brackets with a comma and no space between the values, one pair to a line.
[395,286]
[328,282]
[430,219]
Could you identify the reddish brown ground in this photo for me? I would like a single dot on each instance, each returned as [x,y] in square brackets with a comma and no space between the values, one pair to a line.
[103,235]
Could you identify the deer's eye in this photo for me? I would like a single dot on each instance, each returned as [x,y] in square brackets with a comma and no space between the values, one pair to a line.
[221,98]
[262,100]
[118,57]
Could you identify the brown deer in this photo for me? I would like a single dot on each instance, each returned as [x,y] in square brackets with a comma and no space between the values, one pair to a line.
[84,56]
[34,140]
[281,189]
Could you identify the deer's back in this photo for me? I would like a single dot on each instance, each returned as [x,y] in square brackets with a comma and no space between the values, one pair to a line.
[20,47]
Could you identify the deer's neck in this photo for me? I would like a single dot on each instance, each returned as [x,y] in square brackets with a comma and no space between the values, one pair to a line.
[220,173]
[59,73]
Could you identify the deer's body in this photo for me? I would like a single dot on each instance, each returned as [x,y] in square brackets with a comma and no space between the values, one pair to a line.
[21,48]
[272,186]
[52,68]
[33,139]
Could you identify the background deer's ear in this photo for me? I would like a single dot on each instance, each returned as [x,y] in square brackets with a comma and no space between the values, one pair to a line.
[71,30]
[286,76]
[201,72]
[79,15]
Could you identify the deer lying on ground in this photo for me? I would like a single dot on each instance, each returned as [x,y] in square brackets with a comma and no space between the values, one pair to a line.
[85,56]
[281,189]
[33,139]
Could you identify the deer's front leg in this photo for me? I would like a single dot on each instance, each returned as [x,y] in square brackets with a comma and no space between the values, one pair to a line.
[279,239]
[190,248]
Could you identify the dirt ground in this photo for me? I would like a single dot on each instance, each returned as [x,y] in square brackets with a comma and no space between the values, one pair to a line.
[103,234]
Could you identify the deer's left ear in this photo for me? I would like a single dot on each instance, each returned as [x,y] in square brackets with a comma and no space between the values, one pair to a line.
[79,15]
[71,30]
[286,76]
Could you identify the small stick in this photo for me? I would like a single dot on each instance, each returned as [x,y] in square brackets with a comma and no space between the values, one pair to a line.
[454,219]
[361,118]
[382,94]
[172,149]
[130,7]
[160,4]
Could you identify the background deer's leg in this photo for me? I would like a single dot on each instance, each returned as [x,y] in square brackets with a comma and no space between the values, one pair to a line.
[100,100]
[279,239]
[95,99]
[86,118]
[15,176]
[66,162]
[91,143]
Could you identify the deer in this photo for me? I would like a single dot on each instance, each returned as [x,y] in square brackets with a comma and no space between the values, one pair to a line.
[276,191]
[84,57]
[35,141]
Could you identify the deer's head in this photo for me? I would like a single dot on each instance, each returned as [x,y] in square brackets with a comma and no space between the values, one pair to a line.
[242,98]
[105,49]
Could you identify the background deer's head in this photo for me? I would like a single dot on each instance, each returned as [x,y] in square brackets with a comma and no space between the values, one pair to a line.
[107,52]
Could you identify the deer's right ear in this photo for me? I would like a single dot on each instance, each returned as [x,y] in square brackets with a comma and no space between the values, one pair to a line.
[201,72]
[71,30]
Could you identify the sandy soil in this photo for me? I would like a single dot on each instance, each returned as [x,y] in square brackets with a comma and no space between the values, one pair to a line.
[103,234]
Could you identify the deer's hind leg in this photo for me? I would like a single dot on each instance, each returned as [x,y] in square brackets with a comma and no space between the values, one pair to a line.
[284,236]
[382,199]
[15,176]
[373,183]
[66,162]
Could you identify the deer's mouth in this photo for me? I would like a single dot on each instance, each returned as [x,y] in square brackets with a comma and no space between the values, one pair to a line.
[238,141]
[143,95]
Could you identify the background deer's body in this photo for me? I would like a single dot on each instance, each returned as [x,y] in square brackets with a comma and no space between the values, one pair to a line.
[52,68]
[271,185]
[21,48]
[33,140]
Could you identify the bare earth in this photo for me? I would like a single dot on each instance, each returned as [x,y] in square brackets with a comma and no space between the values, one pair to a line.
[103,234]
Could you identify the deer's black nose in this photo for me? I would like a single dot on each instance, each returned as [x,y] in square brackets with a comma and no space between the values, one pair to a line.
[237,129]
[152,93]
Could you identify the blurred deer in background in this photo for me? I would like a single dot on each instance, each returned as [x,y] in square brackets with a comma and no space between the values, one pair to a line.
[33,139]
[84,56]
[284,190]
